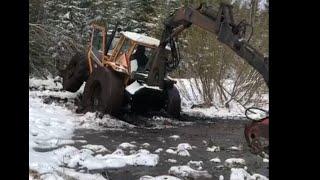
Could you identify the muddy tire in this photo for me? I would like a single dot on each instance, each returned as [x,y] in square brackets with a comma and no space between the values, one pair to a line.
[76,73]
[103,92]
[174,102]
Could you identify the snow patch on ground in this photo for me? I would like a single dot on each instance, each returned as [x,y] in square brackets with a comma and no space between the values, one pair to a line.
[171,160]
[188,172]
[145,145]
[127,145]
[215,160]
[142,158]
[183,152]
[158,150]
[42,84]
[241,174]
[51,128]
[184,146]
[235,148]
[191,95]
[174,137]
[233,162]
[182,149]
[171,151]
[90,120]
[96,148]
[196,164]
[213,149]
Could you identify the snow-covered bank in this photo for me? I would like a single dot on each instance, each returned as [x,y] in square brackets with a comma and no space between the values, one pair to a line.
[50,127]
[191,95]
[51,150]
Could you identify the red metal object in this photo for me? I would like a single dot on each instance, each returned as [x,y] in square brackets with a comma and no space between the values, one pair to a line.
[257,135]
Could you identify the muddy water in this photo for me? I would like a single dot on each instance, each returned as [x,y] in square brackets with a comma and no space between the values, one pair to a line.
[223,133]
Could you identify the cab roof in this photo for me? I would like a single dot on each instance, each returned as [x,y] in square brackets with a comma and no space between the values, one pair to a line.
[142,39]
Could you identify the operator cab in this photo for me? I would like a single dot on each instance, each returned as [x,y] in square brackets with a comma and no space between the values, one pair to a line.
[127,53]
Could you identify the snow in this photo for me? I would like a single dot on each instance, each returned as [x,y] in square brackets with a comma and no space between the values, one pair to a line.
[96,148]
[182,149]
[221,177]
[141,158]
[188,172]
[174,137]
[136,86]
[213,148]
[235,148]
[184,146]
[145,145]
[51,150]
[126,145]
[191,95]
[195,164]
[171,160]
[265,160]
[43,84]
[158,150]
[232,162]
[171,151]
[140,38]
[241,174]
[163,177]
[91,121]
[183,152]
[262,4]
[215,160]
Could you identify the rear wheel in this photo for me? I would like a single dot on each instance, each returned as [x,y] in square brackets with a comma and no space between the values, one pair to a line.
[174,102]
[104,91]
[76,73]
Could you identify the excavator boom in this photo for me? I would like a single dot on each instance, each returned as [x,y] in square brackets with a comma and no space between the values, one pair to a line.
[217,21]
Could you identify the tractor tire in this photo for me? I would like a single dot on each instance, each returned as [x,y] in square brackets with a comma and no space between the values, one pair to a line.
[76,73]
[104,91]
[174,102]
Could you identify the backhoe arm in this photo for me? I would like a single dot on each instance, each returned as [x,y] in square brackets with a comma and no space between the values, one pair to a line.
[221,23]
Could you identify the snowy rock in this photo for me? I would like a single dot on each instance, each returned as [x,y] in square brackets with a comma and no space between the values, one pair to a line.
[188,172]
[158,150]
[241,174]
[196,164]
[96,148]
[126,145]
[174,137]
[170,151]
[184,146]
[132,151]
[172,161]
[145,145]
[213,149]
[183,152]
[265,160]
[235,148]
[118,152]
[233,162]
[215,160]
